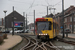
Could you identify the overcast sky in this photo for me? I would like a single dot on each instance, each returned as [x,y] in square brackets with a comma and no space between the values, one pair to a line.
[28,6]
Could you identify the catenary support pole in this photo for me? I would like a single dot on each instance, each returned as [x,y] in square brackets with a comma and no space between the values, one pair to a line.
[13,22]
[47,10]
[72,23]
[24,20]
[63,16]
[34,22]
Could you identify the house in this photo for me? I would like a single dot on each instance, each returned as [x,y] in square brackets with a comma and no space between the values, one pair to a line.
[18,19]
[69,19]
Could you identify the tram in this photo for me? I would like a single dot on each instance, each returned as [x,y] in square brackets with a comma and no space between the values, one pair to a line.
[46,28]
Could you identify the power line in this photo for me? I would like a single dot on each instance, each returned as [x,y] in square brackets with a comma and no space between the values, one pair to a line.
[31,5]
[56,3]
[47,2]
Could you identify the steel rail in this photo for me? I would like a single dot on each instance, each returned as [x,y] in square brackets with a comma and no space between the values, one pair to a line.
[35,46]
[40,46]
[44,46]
[27,44]
[54,46]
[30,40]
[66,41]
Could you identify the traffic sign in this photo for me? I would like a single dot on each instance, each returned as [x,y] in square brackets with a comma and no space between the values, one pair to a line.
[61,27]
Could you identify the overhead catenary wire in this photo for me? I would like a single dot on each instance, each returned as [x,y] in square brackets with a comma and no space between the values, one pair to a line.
[47,2]
[33,5]
[56,3]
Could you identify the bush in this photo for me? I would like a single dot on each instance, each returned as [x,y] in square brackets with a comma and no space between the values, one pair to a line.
[0,32]
[5,36]
[1,39]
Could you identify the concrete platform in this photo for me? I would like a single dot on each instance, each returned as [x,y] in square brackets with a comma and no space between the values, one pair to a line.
[10,42]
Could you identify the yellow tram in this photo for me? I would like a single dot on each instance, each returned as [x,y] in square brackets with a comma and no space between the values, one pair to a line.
[46,28]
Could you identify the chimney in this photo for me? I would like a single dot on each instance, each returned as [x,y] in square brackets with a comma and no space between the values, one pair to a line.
[2,21]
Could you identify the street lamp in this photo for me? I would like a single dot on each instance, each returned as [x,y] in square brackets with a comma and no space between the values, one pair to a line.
[5,18]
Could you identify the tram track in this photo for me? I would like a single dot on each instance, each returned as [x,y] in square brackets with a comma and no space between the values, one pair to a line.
[34,44]
[31,42]
[66,41]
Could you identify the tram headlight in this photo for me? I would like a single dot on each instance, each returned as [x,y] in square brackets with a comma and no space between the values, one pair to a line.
[43,34]
[39,34]
[46,34]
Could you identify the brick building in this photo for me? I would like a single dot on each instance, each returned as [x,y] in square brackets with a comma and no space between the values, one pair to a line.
[69,18]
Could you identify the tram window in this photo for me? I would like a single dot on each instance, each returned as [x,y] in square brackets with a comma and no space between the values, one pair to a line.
[50,25]
[42,25]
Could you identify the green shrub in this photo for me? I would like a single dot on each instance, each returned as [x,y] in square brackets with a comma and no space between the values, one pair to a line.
[5,36]
[1,39]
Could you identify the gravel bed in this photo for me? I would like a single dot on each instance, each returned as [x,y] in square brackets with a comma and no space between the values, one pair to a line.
[65,46]
[67,38]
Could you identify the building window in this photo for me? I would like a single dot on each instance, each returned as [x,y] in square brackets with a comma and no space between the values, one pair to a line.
[65,19]
[70,19]
[65,26]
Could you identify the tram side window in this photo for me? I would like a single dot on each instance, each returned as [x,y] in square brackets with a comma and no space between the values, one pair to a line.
[50,25]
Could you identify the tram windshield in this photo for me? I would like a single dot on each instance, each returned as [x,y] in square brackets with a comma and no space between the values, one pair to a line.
[42,25]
